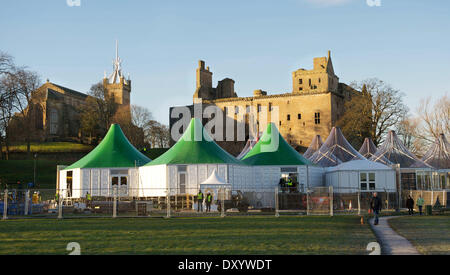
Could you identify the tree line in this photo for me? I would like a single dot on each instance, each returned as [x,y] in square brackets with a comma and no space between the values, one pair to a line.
[378,108]
[17,95]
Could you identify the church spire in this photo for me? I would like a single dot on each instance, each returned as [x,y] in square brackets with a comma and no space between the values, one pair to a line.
[116,75]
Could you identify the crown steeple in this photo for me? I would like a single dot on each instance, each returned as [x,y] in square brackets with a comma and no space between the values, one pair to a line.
[116,75]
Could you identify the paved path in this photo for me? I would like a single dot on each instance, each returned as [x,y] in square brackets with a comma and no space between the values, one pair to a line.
[391,242]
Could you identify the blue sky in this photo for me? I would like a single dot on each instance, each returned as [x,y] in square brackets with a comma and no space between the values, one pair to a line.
[258,43]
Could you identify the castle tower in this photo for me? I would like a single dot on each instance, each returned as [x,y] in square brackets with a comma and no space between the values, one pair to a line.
[116,84]
[204,87]
[321,79]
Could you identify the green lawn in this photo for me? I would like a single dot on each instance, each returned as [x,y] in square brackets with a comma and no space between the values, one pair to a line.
[429,234]
[52,147]
[23,170]
[201,236]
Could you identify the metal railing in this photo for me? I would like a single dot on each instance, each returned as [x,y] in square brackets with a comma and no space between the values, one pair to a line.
[186,202]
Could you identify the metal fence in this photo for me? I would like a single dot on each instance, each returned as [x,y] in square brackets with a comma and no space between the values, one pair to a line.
[183,202]
[437,199]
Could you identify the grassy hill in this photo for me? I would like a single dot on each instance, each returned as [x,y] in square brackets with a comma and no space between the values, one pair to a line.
[51,147]
[50,154]
[23,171]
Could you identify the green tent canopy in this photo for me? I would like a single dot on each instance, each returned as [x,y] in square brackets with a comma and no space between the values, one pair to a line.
[266,153]
[115,151]
[195,147]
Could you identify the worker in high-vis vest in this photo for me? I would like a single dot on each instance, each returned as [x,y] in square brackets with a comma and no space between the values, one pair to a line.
[200,201]
[88,199]
[57,197]
[289,185]
[35,198]
[209,199]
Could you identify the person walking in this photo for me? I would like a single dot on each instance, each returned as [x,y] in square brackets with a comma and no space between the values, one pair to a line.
[410,205]
[200,201]
[420,203]
[209,199]
[375,204]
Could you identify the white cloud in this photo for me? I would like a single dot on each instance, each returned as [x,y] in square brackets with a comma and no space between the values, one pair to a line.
[329,2]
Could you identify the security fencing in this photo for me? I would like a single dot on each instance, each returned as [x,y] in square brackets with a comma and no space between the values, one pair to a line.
[353,201]
[213,201]
[437,199]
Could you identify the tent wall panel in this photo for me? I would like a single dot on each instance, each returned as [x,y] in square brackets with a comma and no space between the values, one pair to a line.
[134,182]
[192,185]
[316,175]
[76,183]
[85,182]
[153,181]
[222,172]
[173,177]
[95,182]
[104,182]
[62,182]
[202,172]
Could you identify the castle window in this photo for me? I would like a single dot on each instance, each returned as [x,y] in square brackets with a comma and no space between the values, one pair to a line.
[280,122]
[309,82]
[270,107]
[236,109]
[319,80]
[317,118]
[247,109]
[299,116]
[300,81]
[259,108]
[301,89]
[288,117]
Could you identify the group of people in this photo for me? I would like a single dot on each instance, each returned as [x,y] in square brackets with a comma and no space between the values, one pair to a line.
[410,204]
[375,205]
[208,201]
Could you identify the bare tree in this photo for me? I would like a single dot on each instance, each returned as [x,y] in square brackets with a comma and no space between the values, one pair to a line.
[435,119]
[158,135]
[19,86]
[98,113]
[387,107]
[140,116]
[6,63]
[409,132]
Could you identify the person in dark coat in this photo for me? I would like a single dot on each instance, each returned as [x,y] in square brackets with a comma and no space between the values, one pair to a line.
[375,204]
[410,205]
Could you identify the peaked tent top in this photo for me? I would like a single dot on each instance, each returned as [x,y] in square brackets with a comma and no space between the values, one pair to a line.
[214,179]
[368,149]
[394,151]
[336,147]
[195,147]
[278,152]
[325,158]
[315,145]
[115,151]
[439,154]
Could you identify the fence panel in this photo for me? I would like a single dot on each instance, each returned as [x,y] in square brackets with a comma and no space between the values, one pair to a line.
[320,201]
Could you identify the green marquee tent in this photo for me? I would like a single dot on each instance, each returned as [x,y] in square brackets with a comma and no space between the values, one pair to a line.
[266,153]
[195,147]
[115,151]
